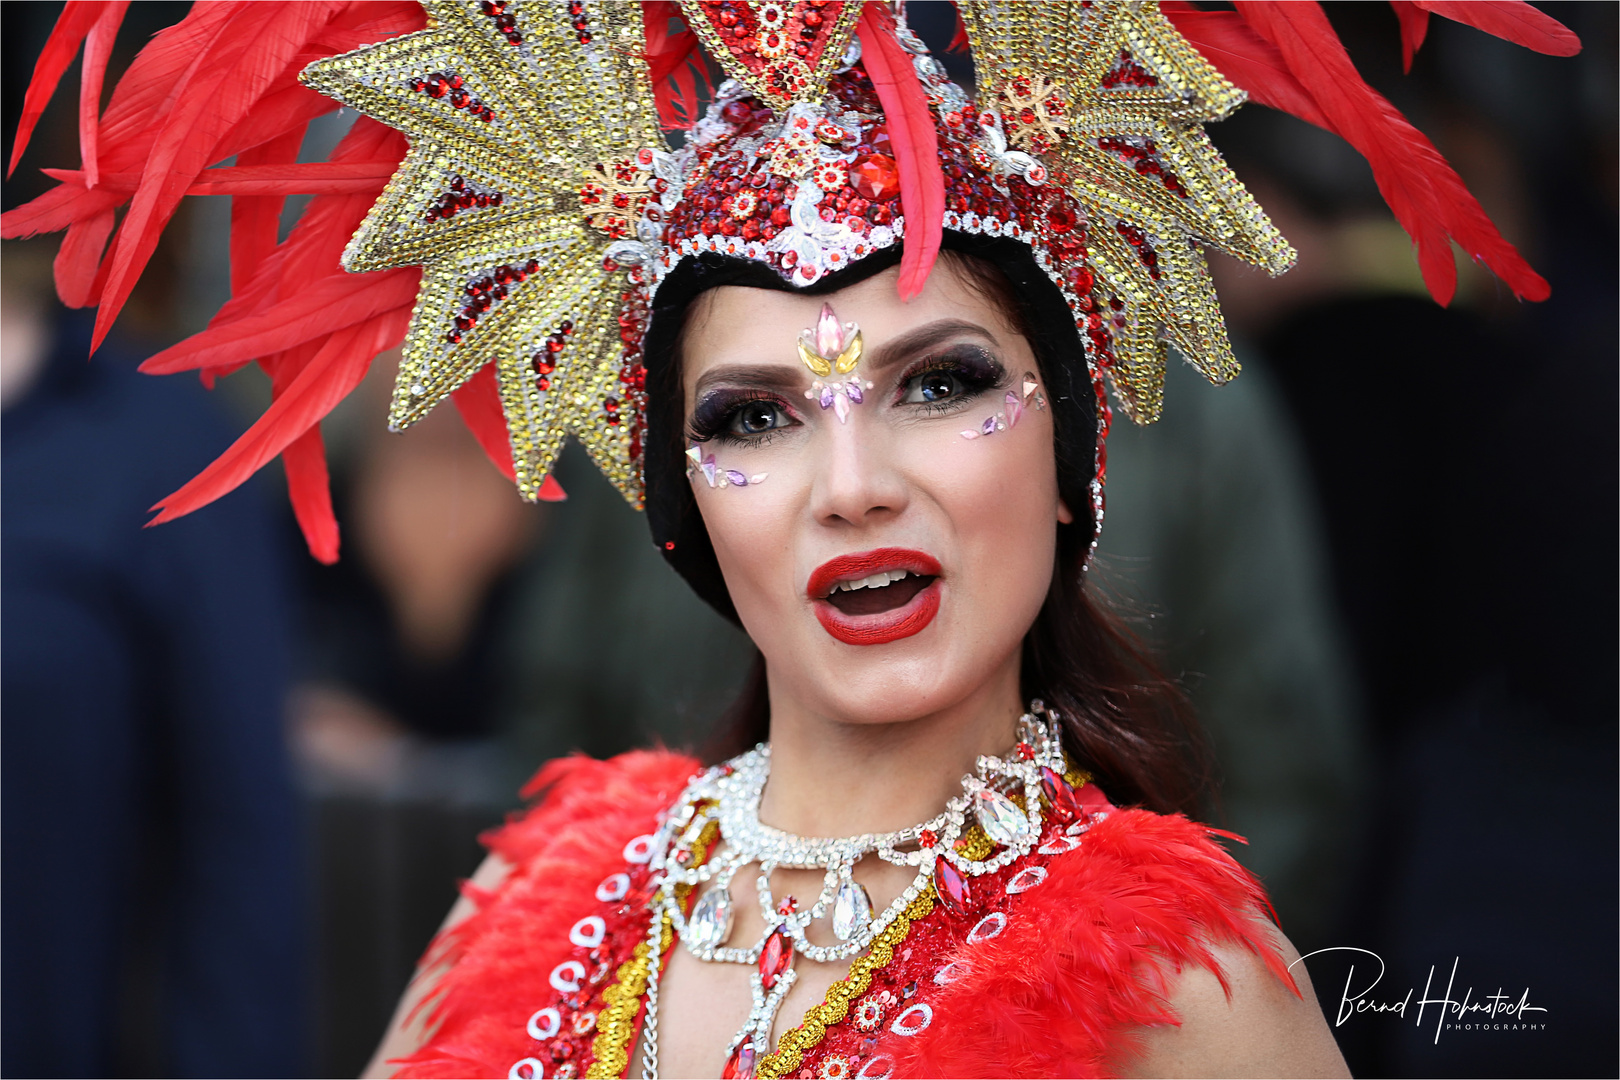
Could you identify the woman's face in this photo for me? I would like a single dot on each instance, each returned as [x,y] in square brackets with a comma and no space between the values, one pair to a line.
[948,540]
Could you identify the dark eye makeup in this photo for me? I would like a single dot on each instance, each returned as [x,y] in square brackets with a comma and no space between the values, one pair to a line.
[950,379]
[941,382]
[739,416]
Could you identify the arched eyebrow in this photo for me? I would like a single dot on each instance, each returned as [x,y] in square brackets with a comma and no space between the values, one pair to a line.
[786,378]
[924,338]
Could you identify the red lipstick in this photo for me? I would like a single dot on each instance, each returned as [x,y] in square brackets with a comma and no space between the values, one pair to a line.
[881,627]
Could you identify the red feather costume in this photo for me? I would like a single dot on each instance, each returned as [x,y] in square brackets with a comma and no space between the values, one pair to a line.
[1044,980]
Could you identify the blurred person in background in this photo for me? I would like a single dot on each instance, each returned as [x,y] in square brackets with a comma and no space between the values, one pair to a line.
[152,899]
[1481,493]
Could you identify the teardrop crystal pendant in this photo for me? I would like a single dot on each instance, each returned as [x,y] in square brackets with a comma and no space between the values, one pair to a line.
[775,958]
[1000,817]
[852,912]
[709,925]
[741,1064]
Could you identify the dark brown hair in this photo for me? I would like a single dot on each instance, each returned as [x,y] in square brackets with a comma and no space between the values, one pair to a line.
[1124,721]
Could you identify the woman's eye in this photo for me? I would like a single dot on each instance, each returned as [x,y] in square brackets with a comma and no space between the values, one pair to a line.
[758,417]
[932,387]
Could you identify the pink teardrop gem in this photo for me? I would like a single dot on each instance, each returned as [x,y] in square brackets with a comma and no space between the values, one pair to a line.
[1015,409]
[952,888]
[774,958]
[829,335]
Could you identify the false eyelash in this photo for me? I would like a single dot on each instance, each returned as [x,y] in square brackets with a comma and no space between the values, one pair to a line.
[711,418]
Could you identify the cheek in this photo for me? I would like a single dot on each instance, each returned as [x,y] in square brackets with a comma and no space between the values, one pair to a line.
[999,493]
[751,531]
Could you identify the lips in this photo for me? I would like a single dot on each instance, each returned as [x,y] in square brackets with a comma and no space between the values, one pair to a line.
[876,613]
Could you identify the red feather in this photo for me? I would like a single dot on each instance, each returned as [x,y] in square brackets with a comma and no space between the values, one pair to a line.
[327,379]
[223,83]
[310,491]
[337,301]
[1414,27]
[960,43]
[1511,20]
[72,26]
[1247,60]
[256,219]
[479,402]
[1428,198]
[79,258]
[671,60]
[97,50]
[226,77]
[915,140]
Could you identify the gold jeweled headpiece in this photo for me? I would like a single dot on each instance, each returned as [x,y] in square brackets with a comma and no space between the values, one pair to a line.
[544,206]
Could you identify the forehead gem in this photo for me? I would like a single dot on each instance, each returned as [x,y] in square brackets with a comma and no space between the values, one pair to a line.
[829,334]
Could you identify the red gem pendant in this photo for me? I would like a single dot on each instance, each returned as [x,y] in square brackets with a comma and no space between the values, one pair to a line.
[740,1066]
[1059,795]
[952,888]
[774,959]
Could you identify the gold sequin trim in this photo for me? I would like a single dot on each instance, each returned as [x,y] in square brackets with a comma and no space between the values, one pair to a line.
[795,1045]
[616,1023]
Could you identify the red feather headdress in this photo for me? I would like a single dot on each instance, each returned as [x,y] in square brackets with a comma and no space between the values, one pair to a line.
[234,82]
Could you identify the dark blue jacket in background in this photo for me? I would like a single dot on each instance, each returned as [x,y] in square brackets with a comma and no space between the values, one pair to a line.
[147,794]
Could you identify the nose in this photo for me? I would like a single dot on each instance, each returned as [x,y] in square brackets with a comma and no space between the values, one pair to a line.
[857,480]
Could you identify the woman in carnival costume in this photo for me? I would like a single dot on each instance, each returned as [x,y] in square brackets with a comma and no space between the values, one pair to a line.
[855,347]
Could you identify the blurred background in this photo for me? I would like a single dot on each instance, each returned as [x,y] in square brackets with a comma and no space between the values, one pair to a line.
[239,788]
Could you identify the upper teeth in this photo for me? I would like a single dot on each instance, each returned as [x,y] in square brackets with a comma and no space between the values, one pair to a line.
[876,581]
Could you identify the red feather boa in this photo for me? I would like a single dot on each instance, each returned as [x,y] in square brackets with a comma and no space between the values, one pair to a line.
[1085,962]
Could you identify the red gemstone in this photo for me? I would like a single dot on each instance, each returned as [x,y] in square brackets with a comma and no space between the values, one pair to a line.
[875,176]
[1026,752]
[952,888]
[1060,217]
[788,906]
[1059,795]
[927,838]
[775,958]
[740,1066]
[1081,280]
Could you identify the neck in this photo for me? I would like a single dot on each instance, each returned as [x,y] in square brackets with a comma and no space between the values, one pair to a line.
[832,778]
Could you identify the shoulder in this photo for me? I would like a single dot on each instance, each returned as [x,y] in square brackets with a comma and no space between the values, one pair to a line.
[1203,983]
[478,982]
[1237,1019]
[1133,921]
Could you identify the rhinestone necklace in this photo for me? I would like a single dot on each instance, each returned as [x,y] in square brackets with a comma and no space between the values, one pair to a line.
[722,805]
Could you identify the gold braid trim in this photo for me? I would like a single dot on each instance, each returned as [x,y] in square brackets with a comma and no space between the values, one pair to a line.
[616,1023]
[793,1046]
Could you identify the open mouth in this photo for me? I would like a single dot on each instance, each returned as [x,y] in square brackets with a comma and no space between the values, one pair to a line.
[879,592]
[875,597]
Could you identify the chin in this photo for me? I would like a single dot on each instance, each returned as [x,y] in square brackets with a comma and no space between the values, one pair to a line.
[921,674]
